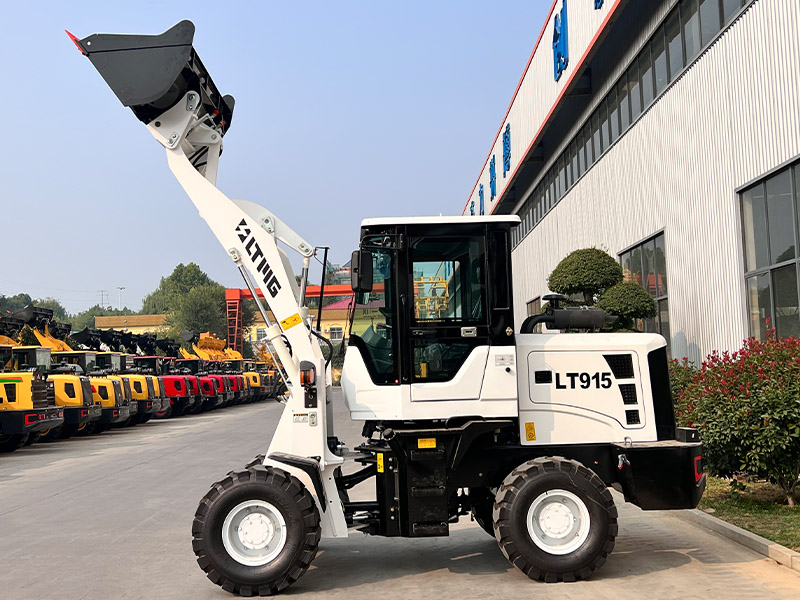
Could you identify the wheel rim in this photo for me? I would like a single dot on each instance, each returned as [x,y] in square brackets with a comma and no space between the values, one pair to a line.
[254,533]
[558,522]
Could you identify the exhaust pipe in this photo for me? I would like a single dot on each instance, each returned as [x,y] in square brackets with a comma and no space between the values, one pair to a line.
[151,73]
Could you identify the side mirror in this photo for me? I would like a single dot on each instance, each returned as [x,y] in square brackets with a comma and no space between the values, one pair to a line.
[361,271]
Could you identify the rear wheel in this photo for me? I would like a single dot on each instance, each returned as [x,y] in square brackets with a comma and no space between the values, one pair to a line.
[9,443]
[50,435]
[164,414]
[256,531]
[555,519]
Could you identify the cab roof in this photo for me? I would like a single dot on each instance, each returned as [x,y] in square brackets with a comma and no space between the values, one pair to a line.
[440,220]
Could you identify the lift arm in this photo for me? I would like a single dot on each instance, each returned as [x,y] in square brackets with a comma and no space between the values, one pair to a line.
[165,84]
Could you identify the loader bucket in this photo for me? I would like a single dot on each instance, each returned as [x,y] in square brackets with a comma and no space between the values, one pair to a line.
[151,73]
[88,337]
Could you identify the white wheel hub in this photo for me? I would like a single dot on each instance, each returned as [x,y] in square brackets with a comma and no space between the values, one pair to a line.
[254,533]
[558,522]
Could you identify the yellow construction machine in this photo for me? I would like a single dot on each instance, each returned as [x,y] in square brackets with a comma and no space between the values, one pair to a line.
[25,408]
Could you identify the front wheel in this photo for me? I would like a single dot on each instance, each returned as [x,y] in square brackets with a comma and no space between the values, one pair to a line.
[256,531]
[555,519]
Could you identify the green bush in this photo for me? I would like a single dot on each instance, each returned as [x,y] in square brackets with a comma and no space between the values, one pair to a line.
[628,301]
[27,337]
[588,271]
[746,406]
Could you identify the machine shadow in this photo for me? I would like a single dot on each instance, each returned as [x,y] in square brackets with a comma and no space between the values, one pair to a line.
[467,551]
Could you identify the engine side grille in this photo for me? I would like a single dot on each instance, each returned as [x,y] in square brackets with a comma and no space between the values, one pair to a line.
[117,392]
[86,388]
[151,390]
[632,417]
[127,386]
[39,393]
[621,365]
[628,392]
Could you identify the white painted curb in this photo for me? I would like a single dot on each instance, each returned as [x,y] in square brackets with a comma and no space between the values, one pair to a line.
[778,553]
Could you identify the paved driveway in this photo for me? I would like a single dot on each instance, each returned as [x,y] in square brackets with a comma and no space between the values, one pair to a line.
[110,517]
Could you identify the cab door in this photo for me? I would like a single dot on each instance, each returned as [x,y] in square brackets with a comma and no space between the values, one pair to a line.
[448,326]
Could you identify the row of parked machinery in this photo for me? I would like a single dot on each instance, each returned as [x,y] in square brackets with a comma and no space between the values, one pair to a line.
[51,390]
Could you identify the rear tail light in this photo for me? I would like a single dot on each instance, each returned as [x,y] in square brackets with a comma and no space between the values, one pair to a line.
[698,468]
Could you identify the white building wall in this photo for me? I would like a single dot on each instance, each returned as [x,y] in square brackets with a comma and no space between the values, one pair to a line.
[533,101]
[730,118]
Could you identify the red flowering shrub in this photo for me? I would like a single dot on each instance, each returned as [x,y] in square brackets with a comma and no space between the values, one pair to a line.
[746,406]
[681,374]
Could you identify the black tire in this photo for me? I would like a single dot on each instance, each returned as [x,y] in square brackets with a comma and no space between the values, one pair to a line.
[298,510]
[88,428]
[522,487]
[482,501]
[50,435]
[178,409]
[32,438]
[146,417]
[164,414]
[10,442]
[67,431]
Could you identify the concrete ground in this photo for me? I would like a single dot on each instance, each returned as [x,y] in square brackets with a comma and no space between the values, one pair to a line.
[110,517]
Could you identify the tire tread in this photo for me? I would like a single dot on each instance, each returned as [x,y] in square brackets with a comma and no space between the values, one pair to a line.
[503,510]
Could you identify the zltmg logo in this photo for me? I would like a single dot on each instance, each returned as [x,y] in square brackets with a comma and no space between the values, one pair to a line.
[257,256]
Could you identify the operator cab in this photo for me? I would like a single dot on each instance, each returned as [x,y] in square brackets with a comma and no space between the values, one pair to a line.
[426,320]
[30,358]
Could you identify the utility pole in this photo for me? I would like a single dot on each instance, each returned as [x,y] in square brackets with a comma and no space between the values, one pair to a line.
[103,294]
[119,303]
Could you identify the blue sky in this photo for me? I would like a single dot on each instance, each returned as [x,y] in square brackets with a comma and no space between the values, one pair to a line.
[344,110]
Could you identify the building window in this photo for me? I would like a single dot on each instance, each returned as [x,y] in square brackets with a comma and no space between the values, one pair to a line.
[770,210]
[646,264]
[688,28]
[336,334]
[261,334]
[534,306]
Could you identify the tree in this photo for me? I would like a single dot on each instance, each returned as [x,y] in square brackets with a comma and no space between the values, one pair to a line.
[588,271]
[166,297]
[12,303]
[59,312]
[200,309]
[628,301]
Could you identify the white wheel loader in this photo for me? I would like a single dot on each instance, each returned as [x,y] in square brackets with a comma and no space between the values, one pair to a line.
[464,411]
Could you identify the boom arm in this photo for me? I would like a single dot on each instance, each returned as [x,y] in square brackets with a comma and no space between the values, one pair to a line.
[186,114]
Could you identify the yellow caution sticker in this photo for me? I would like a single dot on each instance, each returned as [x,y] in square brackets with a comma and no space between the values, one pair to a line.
[380,462]
[426,443]
[290,322]
[530,432]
